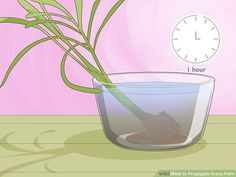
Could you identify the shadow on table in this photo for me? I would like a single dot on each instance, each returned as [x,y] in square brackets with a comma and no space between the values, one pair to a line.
[108,150]
[93,144]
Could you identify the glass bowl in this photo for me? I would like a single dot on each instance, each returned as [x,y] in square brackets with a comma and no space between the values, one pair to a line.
[154,110]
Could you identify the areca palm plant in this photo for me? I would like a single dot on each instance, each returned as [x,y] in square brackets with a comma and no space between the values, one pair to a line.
[43,20]
[53,25]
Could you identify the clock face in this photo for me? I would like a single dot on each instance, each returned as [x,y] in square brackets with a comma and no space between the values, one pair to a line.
[195,39]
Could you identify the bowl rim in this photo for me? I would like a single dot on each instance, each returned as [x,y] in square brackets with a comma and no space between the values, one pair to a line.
[209,79]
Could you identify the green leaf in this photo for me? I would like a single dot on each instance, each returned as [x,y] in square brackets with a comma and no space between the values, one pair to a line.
[55,4]
[32,10]
[14,20]
[93,12]
[79,11]
[19,57]
[33,15]
[27,6]
[44,22]
[70,84]
[26,50]
[107,18]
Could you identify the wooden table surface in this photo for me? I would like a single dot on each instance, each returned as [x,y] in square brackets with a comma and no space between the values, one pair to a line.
[64,146]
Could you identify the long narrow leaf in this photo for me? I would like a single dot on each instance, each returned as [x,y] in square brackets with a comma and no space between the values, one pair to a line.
[19,57]
[18,21]
[45,14]
[109,15]
[55,4]
[93,12]
[32,10]
[33,15]
[70,84]
[38,22]
[25,51]
[14,20]
[24,22]
[27,6]
[79,11]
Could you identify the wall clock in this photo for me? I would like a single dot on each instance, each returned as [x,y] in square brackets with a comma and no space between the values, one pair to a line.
[195,39]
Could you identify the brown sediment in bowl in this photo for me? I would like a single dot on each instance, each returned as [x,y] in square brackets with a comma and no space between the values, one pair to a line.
[160,130]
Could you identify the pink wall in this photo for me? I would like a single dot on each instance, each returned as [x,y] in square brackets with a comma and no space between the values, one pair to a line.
[136,39]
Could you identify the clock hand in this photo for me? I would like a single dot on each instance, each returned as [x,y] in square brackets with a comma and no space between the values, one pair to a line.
[196,38]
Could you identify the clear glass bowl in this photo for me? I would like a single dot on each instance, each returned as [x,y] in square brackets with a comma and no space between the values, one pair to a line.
[154,111]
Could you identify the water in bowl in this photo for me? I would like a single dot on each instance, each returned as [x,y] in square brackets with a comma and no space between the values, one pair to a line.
[171,107]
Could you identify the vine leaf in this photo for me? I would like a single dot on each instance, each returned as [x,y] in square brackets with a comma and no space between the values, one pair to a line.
[107,18]
[93,12]
[70,84]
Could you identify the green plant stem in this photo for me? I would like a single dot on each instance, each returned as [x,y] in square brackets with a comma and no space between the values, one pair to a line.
[61,33]
[94,72]
[126,102]
[49,17]
[121,97]
[91,69]
[103,78]
[90,47]
[63,48]
[99,73]
[93,54]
